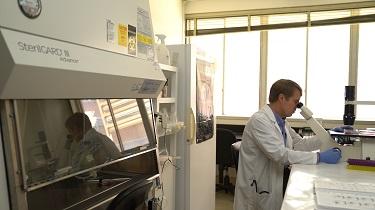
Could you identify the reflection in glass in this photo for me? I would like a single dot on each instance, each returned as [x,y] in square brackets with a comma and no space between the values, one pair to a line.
[127,130]
[42,133]
[98,112]
[90,147]
[66,158]
[129,122]
[78,193]
[55,142]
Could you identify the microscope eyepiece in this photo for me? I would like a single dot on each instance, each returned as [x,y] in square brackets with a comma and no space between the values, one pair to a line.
[299,105]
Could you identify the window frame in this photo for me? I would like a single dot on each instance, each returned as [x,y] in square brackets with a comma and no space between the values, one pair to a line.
[353,20]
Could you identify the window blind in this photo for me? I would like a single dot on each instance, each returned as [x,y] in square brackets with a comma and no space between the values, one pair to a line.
[206,26]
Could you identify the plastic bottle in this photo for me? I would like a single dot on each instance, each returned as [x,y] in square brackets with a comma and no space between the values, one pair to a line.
[162,51]
[165,120]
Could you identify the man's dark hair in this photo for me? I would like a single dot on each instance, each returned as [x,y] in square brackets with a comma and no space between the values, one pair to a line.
[285,87]
[78,120]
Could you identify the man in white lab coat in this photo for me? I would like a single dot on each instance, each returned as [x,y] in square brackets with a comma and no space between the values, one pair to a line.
[268,146]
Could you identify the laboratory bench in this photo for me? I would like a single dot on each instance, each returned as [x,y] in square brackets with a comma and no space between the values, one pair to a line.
[300,194]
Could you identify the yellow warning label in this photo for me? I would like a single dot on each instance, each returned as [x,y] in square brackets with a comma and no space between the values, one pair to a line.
[144,39]
[123,35]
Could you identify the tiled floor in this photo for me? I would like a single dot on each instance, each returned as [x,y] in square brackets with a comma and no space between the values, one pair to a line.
[223,201]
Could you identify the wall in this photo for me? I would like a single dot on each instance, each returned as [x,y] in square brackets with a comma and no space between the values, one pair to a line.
[203,6]
[167,18]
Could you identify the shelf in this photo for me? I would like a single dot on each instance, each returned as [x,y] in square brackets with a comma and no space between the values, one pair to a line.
[165,67]
[163,158]
[166,100]
[165,134]
[171,131]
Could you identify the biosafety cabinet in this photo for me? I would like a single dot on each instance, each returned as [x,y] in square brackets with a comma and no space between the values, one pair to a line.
[77,124]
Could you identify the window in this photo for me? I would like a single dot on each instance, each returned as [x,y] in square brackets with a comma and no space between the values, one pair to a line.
[366,73]
[241,75]
[317,49]
[328,70]
[286,57]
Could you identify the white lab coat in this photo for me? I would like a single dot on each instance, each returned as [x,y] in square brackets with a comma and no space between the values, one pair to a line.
[262,160]
[94,149]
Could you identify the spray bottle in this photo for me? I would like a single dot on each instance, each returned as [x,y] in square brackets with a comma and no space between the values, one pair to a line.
[162,51]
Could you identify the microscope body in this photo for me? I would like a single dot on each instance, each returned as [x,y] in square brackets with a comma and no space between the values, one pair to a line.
[352,151]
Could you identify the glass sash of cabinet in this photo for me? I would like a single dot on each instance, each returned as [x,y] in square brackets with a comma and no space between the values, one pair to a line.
[59,139]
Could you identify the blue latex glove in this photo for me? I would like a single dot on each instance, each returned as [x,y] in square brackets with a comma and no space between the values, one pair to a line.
[330,156]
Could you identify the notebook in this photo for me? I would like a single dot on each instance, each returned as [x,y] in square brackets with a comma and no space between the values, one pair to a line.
[344,195]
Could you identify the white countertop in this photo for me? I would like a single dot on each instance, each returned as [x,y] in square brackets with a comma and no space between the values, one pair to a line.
[300,191]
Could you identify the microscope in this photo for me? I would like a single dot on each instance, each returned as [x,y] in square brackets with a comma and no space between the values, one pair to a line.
[352,151]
